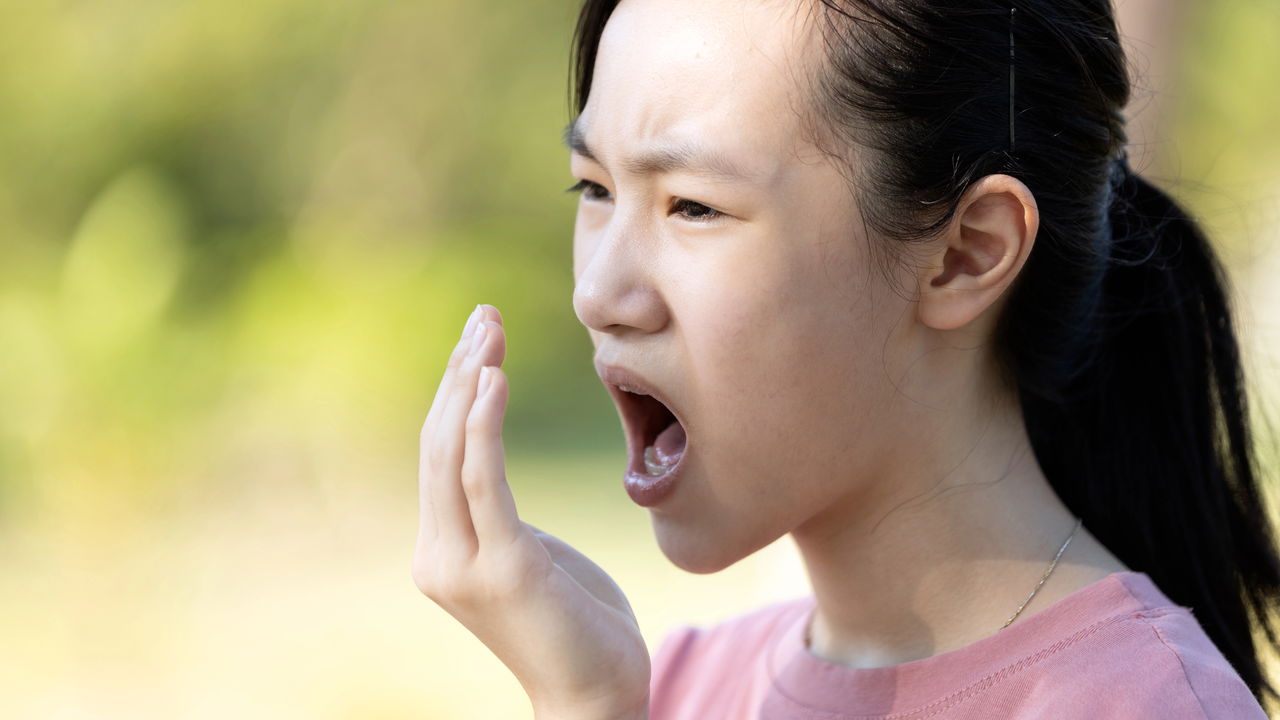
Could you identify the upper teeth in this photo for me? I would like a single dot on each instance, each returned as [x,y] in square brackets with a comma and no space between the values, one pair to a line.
[630,390]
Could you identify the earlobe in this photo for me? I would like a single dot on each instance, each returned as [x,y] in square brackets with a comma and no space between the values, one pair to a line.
[980,252]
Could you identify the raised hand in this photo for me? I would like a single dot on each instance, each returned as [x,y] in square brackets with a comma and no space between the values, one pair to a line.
[552,616]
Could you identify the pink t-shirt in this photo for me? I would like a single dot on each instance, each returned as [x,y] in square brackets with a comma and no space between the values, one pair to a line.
[1116,648]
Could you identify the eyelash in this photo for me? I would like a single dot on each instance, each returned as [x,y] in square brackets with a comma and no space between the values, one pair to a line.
[591,190]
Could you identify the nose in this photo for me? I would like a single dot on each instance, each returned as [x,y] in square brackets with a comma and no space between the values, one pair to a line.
[615,292]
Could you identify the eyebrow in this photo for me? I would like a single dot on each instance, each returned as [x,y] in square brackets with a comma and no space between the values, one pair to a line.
[665,158]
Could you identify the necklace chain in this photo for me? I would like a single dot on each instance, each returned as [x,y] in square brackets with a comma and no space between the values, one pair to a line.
[1052,565]
[1017,612]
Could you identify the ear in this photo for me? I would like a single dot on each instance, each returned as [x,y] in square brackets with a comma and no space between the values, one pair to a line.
[979,253]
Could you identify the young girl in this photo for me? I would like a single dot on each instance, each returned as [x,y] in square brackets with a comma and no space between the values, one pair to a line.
[876,274]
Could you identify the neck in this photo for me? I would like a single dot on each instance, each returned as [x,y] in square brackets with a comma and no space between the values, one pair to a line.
[946,556]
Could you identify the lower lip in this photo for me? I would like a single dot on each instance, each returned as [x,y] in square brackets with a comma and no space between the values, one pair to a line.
[648,490]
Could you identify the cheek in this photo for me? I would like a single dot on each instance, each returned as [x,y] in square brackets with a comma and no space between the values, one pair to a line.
[787,372]
[782,351]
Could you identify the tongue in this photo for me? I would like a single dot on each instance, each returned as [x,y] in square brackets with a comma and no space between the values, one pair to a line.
[669,445]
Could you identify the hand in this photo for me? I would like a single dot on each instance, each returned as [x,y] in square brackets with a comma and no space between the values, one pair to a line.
[552,616]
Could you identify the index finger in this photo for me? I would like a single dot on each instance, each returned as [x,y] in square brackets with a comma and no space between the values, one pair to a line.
[480,314]
[426,507]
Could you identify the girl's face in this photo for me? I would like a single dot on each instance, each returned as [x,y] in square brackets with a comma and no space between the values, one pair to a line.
[735,274]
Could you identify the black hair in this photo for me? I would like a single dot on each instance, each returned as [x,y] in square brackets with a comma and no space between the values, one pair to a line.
[1117,335]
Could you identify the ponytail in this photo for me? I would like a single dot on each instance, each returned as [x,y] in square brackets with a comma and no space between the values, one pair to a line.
[1149,444]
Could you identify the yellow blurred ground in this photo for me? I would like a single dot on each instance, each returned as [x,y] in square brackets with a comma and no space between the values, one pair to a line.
[291,603]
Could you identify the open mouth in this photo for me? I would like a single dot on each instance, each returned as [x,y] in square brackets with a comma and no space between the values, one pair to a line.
[656,438]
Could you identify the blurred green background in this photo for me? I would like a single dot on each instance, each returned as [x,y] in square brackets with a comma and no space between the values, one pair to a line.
[237,242]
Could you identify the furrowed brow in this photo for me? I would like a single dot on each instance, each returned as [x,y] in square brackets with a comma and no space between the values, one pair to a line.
[665,158]
[575,139]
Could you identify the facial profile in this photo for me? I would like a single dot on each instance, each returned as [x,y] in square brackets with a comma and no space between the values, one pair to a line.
[732,271]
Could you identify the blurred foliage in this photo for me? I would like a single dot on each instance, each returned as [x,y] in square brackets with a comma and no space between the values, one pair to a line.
[276,215]
[238,244]
[1223,149]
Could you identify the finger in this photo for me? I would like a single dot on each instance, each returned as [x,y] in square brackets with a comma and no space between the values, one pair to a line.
[484,474]
[492,314]
[482,313]
[426,510]
[427,526]
[451,368]
[495,346]
[453,519]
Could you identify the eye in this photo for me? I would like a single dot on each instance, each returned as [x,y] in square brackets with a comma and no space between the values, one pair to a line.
[688,209]
[590,190]
[694,211]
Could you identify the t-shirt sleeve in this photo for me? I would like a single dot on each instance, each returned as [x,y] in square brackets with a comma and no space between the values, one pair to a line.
[1154,665]
[1217,690]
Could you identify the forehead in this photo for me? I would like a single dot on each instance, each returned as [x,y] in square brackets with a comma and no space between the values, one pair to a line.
[727,75]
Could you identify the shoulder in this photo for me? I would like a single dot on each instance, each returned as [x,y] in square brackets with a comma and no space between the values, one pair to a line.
[1152,662]
[1195,666]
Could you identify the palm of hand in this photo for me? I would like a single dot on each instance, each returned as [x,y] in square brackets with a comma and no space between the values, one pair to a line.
[554,618]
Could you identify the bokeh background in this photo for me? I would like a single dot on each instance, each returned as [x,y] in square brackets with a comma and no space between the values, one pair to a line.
[237,241]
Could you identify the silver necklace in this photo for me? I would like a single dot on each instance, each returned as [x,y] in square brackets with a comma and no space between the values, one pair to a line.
[1046,574]
[1017,612]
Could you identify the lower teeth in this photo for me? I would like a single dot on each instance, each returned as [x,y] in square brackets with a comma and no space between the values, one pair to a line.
[651,464]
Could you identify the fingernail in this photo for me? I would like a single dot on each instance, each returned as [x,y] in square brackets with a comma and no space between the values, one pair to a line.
[478,339]
[486,376]
[471,321]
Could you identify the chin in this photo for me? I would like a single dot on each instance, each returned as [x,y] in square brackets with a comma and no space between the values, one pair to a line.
[700,550]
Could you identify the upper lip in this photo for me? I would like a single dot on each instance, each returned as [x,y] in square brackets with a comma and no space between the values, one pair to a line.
[616,375]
